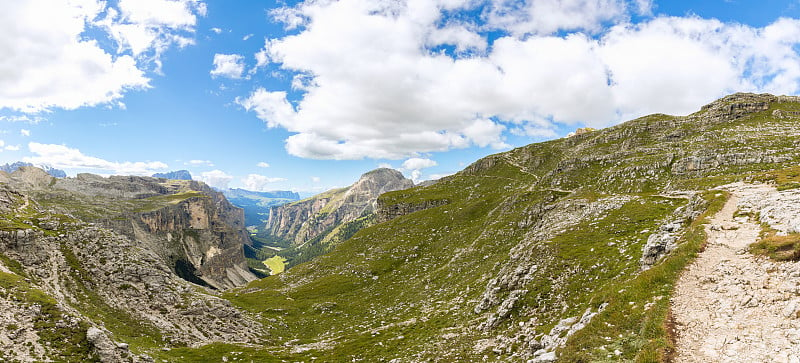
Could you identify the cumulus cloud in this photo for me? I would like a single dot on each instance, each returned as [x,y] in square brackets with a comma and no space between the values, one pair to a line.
[228,65]
[259,183]
[24,132]
[52,60]
[142,26]
[415,166]
[549,16]
[262,164]
[418,163]
[63,157]
[12,148]
[375,79]
[216,179]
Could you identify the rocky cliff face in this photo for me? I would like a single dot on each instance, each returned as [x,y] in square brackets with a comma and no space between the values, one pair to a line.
[304,220]
[193,228]
[176,175]
[103,271]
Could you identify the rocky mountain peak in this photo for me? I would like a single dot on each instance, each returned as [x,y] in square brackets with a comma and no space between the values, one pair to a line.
[175,175]
[30,176]
[739,104]
[374,183]
[325,217]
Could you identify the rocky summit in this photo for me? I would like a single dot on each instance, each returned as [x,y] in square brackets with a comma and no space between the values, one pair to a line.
[312,226]
[569,250]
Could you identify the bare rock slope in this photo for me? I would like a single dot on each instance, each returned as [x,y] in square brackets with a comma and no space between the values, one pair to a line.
[90,264]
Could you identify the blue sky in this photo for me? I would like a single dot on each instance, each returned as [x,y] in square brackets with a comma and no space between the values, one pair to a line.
[307,96]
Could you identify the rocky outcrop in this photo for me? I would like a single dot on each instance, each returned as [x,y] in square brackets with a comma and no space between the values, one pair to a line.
[193,228]
[388,211]
[304,220]
[664,240]
[137,272]
[201,237]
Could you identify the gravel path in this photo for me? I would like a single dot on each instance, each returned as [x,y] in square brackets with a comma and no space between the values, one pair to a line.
[731,306]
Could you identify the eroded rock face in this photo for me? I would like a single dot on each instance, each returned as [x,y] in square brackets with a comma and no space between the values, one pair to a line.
[101,276]
[203,234]
[304,220]
[193,228]
[388,212]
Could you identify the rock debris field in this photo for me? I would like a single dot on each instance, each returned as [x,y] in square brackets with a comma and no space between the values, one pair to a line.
[732,306]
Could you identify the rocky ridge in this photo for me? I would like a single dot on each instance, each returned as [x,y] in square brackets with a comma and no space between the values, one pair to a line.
[304,220]
[112,279]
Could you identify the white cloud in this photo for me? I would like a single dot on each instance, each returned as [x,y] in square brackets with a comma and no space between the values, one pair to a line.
[246,37]
[216,30]
[24,132]
[55,52]
[200,162]
[259,183]
[418,163]
[415,166]
[371,81]
[63,157]
[262,164]
[644,7]
[228,65]
[49,64]
[550,16]
[153,25]
[315,179]
[31,119]
[216,178]
[12,148]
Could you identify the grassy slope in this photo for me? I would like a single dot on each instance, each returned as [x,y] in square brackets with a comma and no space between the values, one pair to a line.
[418,276]
[406,288]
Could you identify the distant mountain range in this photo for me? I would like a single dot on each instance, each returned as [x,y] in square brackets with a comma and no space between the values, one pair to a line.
[256,205]
[10,168]
[175,175]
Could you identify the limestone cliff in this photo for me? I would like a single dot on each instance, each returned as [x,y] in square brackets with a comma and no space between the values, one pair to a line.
[85,274]
[304,220]
[193,228]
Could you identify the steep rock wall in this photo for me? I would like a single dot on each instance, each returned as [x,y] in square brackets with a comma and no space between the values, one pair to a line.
[306,219]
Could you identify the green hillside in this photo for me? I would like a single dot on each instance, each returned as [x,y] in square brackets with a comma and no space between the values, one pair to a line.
[502,259]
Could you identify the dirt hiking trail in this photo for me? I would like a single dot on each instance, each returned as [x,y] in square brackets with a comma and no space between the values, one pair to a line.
[731,306]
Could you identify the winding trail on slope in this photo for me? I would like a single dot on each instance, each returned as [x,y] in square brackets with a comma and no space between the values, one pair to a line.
[731,306]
